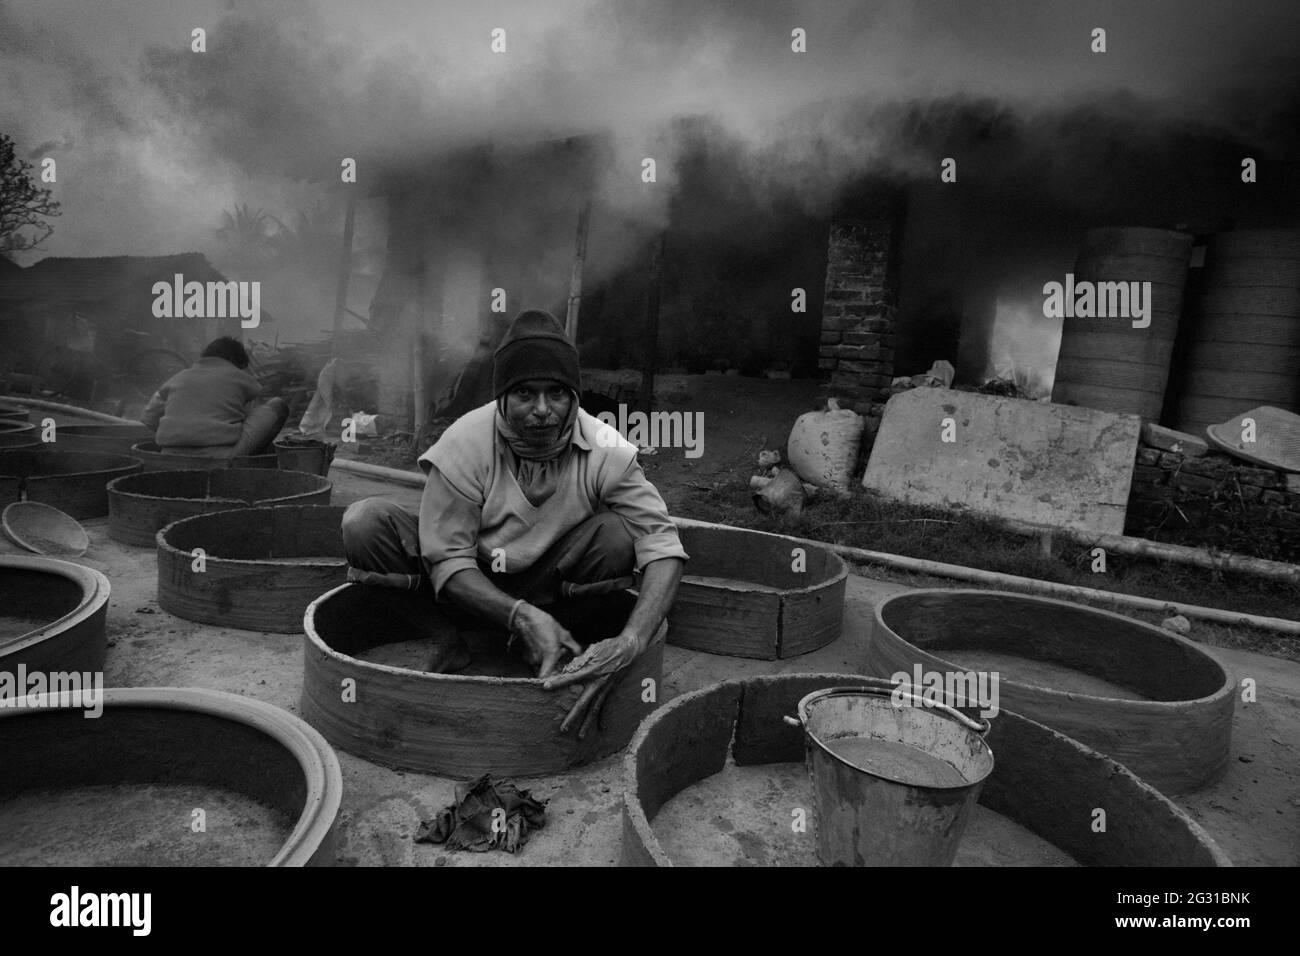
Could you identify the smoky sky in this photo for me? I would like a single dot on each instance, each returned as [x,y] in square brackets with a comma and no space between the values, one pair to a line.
[154,140]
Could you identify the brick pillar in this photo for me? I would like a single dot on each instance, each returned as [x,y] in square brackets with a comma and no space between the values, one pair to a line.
[857,331]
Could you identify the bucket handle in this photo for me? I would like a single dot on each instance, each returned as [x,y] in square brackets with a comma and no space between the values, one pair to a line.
[980,726]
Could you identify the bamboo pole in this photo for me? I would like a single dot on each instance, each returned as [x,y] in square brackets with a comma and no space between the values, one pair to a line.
[1160,551]
[345,268]
[575,278]
[411,478]
[419,411]
[646,399]
[76,410]
[417,383]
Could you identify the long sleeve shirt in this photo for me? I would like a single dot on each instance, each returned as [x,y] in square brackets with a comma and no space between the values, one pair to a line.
[472,504]
[203,406]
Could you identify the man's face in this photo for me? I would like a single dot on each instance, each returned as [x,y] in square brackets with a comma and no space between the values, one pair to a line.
[537,409]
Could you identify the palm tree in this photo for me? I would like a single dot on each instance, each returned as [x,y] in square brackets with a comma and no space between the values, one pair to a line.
[247,235]
[313,240]
[245,225]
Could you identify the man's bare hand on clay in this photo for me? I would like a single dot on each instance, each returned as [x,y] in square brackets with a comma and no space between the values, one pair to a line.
[545,640]
[596,667]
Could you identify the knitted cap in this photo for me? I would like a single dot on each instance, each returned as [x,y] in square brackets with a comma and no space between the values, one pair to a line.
[534,347]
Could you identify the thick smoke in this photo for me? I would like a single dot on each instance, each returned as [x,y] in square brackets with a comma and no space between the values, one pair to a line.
[157,141]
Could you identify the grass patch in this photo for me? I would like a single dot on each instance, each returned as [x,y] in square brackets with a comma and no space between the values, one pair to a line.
[866,521]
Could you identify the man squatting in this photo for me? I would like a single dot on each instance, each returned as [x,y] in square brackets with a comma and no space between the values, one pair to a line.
[213,409]
[528,477]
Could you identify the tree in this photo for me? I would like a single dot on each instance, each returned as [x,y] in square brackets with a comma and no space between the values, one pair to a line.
[245,226]
[246,234]
[313,241]
[23,204]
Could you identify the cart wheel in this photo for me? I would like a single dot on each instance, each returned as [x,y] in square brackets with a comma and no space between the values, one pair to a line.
[149,369]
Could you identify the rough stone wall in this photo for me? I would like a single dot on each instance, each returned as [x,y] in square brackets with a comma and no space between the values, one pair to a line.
[1214,500]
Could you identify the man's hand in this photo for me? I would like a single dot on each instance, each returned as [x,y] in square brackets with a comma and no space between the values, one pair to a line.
[599,665]
[596,667]
[545,641]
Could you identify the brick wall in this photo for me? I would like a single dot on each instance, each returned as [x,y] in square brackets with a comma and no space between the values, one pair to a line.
[1214,500]
[857,331]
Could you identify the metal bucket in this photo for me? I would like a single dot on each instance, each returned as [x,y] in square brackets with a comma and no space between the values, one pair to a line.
[304,454]
[894,784]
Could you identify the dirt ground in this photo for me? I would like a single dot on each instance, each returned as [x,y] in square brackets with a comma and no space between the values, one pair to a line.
[1252,812]
[741,417]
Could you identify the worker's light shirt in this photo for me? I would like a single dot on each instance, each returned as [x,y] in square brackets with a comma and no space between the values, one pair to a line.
[473,505]
[203,406]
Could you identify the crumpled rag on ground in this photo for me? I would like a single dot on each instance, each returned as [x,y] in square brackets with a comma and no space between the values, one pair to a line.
[469,824]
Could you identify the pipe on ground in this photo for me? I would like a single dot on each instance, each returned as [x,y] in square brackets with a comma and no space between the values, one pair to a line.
[1160,551]
[71,410]
[412,478]
[959,572]
[1033,586]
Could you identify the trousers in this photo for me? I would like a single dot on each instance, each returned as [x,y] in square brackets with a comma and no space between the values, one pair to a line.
[382,543]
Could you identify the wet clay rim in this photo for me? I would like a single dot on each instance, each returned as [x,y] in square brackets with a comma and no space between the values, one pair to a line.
[756,620]
[81,629]
[129,508]
[18,436]
[311,841]
[80,493]
[1043,780]
[249,593]
[458,725]
[101,437]
[155,460]
[1179,746]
